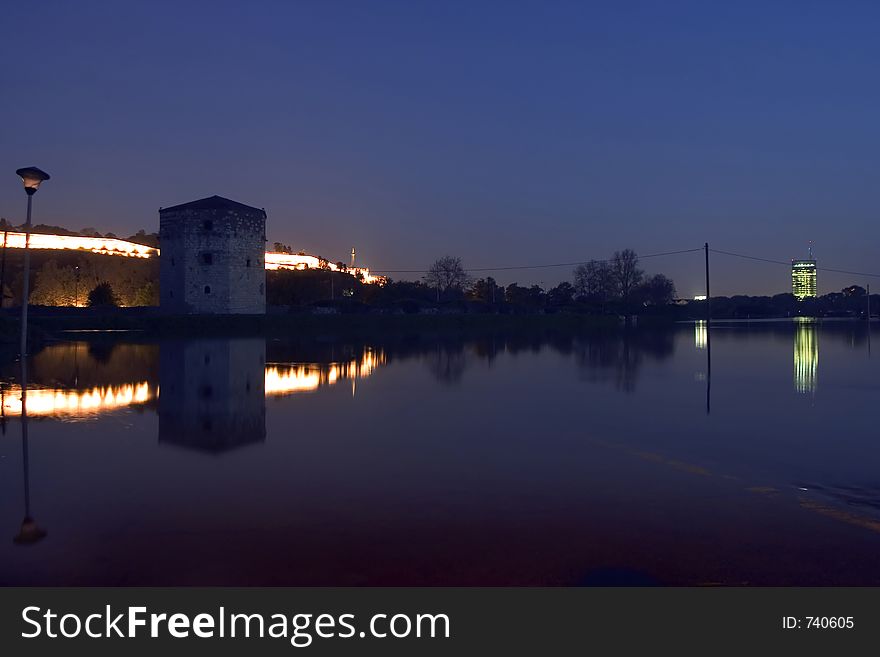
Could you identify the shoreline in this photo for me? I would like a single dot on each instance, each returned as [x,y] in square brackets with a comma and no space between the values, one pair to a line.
[64,323]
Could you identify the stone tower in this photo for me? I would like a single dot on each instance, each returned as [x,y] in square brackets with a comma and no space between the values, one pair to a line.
[212,255]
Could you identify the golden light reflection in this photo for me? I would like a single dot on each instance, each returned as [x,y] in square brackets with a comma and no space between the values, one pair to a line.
[287,378]
[701,334]
[806,356]
[76,403]
[280,379]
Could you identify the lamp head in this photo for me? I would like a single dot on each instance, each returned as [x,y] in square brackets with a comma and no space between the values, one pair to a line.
[32,177]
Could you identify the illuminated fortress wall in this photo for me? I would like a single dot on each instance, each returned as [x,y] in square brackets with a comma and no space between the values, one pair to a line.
[116,247]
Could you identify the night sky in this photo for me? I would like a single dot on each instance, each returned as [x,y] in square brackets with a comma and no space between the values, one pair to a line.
[507,133]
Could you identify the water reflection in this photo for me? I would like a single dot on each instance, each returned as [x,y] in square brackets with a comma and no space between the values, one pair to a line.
[806,356]
[701,334]
[225,381]
[212,394]
[287,378]
[619,357]
[75,403]
[523,447]
[79,380]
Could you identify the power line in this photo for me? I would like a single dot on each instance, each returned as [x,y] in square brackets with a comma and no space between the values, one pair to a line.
[641,257]
[547,266]
[788,264]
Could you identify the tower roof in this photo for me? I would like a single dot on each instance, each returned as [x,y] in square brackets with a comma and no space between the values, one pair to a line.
[214,203]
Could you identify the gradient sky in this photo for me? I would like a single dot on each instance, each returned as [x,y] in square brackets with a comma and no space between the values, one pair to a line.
[507,133]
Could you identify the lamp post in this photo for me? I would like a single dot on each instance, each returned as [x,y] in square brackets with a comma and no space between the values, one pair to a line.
[31,177]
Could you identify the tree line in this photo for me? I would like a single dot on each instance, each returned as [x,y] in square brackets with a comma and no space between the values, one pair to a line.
[615,283]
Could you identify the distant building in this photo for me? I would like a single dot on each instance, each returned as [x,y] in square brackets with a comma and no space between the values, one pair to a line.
[212,257]
[803,278]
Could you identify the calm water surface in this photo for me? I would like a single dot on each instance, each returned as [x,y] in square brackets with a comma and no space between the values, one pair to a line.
[637,457]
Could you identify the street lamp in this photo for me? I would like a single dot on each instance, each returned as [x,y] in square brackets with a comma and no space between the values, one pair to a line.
[29,532]
[31,177]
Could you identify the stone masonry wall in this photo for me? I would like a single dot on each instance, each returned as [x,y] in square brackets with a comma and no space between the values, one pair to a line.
[212,261]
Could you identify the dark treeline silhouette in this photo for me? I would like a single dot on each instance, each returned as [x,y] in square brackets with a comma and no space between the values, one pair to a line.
[616,286]
[852,301]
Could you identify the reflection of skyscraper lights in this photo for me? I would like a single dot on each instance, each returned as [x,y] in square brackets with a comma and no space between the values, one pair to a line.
[701,333]
[806,357]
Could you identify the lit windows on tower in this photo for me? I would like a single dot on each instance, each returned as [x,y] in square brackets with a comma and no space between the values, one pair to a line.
[803,279]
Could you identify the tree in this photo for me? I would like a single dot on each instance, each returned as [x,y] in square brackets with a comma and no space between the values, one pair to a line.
[524,297]
[658,290]
[594,281]
[486,289]
[627,275]
[148,295]
[561,295]
[102,296]
[54,285]
[447,274]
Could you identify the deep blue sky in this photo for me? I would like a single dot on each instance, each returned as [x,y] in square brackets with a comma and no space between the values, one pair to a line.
[504,132]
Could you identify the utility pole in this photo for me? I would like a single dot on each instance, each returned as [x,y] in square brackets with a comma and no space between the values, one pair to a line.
[3,269]
[708,297]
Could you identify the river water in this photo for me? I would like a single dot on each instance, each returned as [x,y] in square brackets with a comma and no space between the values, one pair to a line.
[744,454]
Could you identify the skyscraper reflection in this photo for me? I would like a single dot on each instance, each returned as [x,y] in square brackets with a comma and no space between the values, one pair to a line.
[701,333]
[806,356]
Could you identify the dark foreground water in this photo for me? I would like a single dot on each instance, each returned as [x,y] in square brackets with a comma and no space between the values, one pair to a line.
[616,458]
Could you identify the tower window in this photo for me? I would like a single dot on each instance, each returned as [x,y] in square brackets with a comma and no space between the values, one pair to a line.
[208,225]
[207,258]
[247,263]
[207,289]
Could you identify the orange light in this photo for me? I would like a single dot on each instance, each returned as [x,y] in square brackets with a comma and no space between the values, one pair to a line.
[118,247]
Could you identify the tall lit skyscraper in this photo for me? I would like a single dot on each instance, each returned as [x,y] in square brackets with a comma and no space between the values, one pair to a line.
[803,277]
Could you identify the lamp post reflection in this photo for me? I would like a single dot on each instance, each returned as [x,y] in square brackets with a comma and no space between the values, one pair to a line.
[29,532]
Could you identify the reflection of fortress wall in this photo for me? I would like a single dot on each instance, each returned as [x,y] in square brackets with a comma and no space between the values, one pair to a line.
[84,365]
[212,394]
